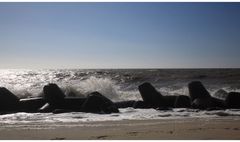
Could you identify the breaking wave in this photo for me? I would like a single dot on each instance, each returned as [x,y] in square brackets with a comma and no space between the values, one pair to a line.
[119,84]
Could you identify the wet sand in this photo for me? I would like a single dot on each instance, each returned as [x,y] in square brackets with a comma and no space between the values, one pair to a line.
[194,128]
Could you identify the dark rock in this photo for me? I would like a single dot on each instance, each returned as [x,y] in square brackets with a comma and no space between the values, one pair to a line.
[97,103]
[46,108]
[206,103]
[168,101]
[202,103]
[182,102]
[197,91]
[152,98]
[218,103]
[8,101]
[111,109]
[31,104]
[141,105]
[201,98]
[155,99]
[150,95]
[221,94]
[124,104]
[53,95]
[233,100]
[73,103]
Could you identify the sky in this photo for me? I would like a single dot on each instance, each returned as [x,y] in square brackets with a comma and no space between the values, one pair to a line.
[119,35]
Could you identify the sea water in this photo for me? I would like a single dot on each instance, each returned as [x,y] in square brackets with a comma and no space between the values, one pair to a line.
[117,85]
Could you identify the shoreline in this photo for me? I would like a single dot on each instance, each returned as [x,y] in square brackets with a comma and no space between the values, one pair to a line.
[173,129]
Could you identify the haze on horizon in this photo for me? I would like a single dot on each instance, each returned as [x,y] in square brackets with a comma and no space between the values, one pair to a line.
[119,35]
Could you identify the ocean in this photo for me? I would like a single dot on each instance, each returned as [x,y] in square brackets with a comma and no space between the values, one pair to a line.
[117,85]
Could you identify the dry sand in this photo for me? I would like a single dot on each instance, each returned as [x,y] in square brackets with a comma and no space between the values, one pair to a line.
[195,128]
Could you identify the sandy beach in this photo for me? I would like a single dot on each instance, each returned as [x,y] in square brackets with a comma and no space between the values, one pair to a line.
[196,129]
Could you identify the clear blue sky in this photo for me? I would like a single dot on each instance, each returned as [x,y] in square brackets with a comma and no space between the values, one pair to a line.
[119,35]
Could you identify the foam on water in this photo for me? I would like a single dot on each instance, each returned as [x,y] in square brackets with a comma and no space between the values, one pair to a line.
[125,114]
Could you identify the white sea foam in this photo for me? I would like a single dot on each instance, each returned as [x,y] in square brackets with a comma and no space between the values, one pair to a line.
[105,86]
[125,114]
